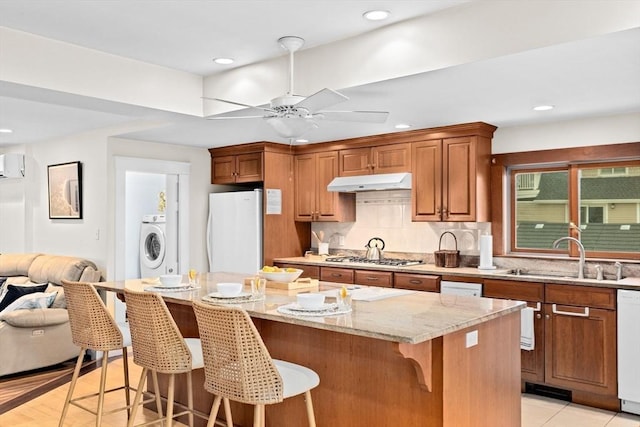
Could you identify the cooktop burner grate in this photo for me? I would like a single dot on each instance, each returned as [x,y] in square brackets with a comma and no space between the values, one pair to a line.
[384,261]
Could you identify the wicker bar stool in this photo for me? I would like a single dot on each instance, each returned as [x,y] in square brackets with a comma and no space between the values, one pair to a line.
[238,366]
[93,328]
[158,346]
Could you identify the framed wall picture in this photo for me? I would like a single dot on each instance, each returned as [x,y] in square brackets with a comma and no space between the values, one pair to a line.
[65,190]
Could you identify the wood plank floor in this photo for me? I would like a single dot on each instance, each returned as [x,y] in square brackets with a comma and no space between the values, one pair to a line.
[44,411]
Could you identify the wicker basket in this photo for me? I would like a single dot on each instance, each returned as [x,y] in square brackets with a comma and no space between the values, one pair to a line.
[444,258]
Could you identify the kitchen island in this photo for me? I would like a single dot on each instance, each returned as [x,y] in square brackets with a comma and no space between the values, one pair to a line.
[411,359]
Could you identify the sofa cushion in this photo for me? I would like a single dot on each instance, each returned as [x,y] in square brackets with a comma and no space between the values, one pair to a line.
[16,264]
[59,302]
[29,301]
[37,317]
[14,292]
[54,268]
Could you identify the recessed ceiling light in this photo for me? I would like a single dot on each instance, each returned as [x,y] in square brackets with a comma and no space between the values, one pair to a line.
[223,61]
[543,108]
[376,15]
[302,140]
[6,131]
[402,126]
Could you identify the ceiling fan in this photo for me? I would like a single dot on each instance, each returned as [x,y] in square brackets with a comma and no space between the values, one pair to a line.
[292,115]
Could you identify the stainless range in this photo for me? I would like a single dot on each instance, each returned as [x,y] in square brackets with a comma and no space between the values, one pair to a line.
[395,262]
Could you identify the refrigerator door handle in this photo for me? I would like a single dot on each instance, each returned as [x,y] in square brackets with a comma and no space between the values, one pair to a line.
[210,258]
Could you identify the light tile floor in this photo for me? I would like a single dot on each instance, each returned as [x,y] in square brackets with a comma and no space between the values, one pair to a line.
[538,411]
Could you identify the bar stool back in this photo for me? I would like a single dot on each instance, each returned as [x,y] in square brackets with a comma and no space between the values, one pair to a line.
[158,346]
[93,328]
[238,366]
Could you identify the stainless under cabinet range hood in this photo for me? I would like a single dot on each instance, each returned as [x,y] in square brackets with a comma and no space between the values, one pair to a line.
[387,181]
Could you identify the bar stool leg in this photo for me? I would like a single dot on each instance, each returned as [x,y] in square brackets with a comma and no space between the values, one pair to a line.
[156,391]
[136,401]
[72,386]
[127,386]
[214,411]
[190,398]
[227,412]
[103,383]
[172,383]
[258,420]
[310,415]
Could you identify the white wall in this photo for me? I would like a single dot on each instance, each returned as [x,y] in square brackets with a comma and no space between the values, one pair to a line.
[12,208]
[575,133]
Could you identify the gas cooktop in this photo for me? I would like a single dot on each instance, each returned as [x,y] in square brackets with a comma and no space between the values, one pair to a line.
[383,261]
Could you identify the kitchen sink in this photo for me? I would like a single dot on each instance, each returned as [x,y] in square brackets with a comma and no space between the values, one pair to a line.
[534,273]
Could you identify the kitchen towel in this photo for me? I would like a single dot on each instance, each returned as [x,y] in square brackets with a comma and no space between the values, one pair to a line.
[486,252]
[527,335]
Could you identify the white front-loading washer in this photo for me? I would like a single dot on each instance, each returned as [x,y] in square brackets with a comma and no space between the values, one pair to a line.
[153,245]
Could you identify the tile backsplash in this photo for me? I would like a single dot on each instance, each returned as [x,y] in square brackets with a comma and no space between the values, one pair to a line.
[387,215]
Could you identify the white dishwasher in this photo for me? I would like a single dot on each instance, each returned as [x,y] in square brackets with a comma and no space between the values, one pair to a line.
[629,350]
[461,288]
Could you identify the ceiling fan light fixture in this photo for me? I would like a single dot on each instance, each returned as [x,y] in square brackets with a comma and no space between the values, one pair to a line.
[223,61]
[291,127]
[376,15]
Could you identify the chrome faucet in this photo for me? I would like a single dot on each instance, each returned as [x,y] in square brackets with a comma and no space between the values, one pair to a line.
[618,267]
[580,249]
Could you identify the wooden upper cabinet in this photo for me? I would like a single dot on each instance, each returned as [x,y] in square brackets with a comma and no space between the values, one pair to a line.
[313,172]
[373,160]
[237,168]
[451,179]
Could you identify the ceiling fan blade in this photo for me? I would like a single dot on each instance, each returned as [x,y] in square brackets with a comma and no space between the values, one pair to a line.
[323,99]
[239,104]
[354,116]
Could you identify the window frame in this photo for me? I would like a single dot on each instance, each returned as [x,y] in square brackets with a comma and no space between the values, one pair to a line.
[503,169]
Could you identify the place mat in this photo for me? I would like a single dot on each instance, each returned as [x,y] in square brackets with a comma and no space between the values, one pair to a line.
[235,300]
[293,309]
[182,288]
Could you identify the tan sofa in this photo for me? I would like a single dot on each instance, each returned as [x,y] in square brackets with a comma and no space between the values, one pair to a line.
[40,337]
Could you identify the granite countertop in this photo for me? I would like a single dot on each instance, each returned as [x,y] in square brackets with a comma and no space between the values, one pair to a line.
[632,283]
[412,317]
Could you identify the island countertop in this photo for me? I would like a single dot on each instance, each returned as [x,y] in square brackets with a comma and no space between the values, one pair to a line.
[393,315]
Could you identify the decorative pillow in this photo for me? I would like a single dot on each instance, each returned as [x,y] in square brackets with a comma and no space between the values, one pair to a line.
[60,301]
[3,287]
[14,292]
[33,300]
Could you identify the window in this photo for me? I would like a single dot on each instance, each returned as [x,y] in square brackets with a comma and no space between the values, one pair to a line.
[603,201]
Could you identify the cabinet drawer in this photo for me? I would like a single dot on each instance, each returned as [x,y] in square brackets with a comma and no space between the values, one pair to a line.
[581,295]
[511,289]
[416,282]
[374,278]
[338,275]
[312,271]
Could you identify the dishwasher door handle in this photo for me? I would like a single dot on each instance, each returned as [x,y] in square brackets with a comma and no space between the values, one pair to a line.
[555,310]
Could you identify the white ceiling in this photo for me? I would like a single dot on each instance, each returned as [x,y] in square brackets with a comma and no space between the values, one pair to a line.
[591,77]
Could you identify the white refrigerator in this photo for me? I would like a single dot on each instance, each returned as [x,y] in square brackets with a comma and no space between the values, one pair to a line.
[234,232]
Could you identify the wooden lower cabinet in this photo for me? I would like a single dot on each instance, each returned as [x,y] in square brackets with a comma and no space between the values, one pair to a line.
[416,282]
[532,361]
[580,339]
[373,278]
[337,275]
[575,338]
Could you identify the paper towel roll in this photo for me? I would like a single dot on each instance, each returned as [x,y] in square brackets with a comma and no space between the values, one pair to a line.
[486,252]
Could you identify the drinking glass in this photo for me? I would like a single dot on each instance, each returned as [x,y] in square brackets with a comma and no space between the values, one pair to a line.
[258,287]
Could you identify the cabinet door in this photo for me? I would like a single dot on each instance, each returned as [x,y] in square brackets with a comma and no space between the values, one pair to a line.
[338,275]
[374,278]
[580,348]
[391,158]
[355,161]
[327,207]
[249,167]
[416,282]
[426,192]
[305,185]
[223,170]
[459,179]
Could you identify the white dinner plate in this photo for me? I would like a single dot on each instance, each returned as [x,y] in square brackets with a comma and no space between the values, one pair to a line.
[181,285]
[219,295]
[325,307]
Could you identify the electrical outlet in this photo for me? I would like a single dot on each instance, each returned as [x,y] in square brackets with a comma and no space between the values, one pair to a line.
[340,240]
[472,339]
